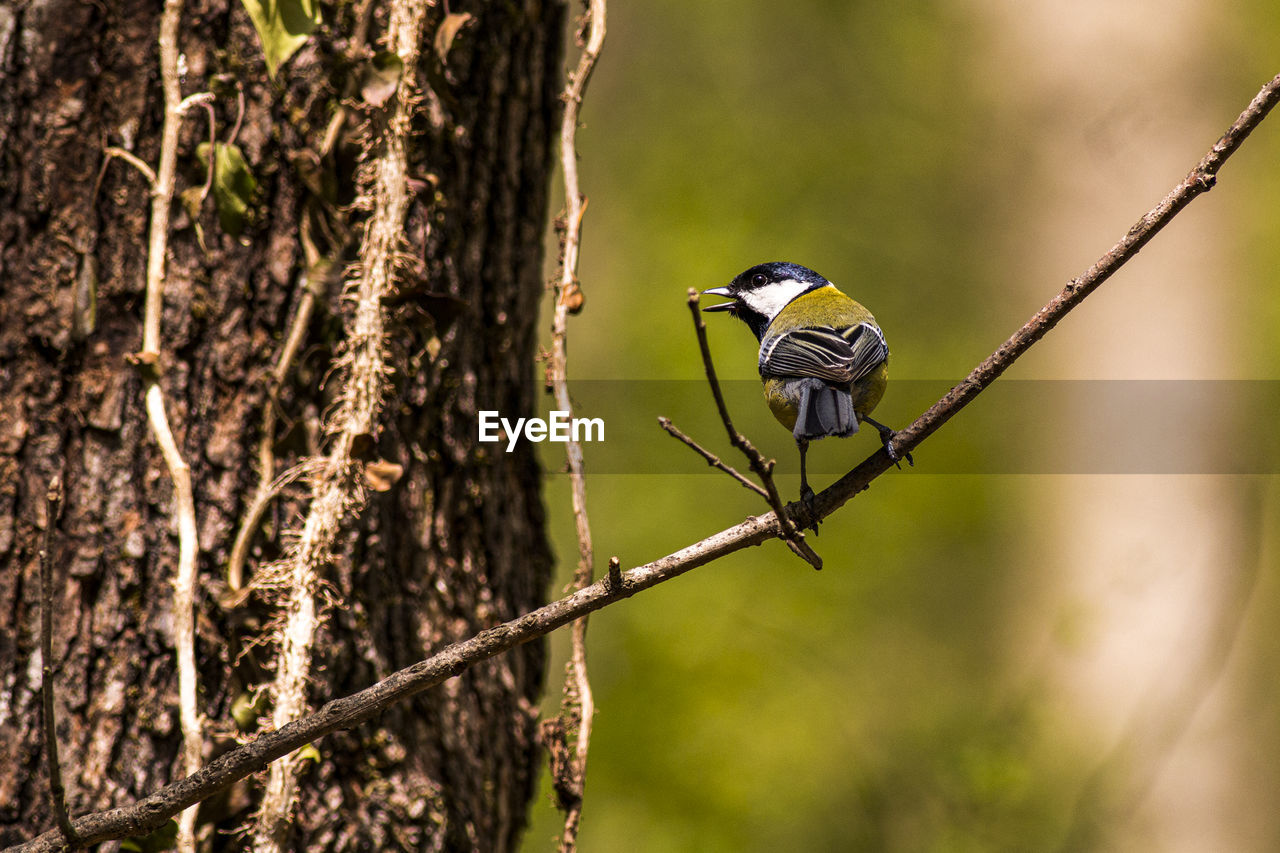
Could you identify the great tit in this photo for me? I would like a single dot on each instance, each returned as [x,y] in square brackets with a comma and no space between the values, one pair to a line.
[823,359]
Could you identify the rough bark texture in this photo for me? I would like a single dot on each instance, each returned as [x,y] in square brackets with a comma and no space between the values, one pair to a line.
[457,544]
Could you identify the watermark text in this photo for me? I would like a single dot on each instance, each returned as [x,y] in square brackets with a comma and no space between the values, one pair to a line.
[558,427]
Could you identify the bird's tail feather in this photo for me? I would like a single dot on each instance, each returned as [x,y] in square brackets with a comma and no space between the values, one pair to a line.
[824,411]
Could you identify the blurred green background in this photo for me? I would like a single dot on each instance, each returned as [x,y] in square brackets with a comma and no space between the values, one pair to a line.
[989,662]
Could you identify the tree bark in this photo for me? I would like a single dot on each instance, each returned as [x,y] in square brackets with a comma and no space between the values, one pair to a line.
[455,545]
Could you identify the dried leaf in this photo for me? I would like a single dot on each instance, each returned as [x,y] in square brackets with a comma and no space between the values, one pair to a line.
[382,475]
[448,31]
[362,447]
[381,78]
[573,298]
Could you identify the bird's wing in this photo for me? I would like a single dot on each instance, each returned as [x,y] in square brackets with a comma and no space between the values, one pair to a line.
[839,356]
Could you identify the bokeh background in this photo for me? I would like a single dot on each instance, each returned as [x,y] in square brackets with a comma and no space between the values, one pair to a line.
[1025,642]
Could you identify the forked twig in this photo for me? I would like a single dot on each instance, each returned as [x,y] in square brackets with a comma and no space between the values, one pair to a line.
[763,467]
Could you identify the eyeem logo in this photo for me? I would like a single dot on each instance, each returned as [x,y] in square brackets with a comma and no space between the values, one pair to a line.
[560,427]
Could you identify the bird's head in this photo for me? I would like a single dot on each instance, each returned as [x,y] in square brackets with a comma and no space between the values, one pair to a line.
[758,294]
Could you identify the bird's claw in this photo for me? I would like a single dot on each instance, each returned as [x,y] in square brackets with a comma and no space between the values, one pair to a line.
[807,497]
[886,436]
[894,456]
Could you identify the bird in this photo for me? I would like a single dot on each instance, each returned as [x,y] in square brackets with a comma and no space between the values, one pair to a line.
[823,359]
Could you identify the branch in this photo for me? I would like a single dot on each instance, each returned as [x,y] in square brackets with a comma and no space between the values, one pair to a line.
[57,794]
[1199,180]
[310,284]
[577,707]
[150,812]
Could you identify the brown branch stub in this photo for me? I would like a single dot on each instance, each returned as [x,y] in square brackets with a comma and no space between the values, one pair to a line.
[614,578]
[57,793]
[150,812]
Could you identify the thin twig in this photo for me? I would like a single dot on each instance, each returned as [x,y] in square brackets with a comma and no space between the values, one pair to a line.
[153,810]
[712,460]
[763,467]
[267,489]
[149,360]
[133,160]
[266,493]
[213,152]
[57,793]
[577,708]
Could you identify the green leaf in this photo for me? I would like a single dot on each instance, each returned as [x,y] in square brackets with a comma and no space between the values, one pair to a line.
[247,708]
[164,838]
[283,26]
[233,185]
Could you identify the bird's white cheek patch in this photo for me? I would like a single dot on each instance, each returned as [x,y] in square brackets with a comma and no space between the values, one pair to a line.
[771,299]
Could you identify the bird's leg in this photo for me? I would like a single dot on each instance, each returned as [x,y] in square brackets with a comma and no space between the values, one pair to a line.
[806,493]
[886,436]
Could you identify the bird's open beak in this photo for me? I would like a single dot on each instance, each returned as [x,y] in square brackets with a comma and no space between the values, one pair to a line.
[719,291]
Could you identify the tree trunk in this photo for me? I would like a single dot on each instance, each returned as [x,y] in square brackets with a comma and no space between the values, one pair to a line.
[454,545]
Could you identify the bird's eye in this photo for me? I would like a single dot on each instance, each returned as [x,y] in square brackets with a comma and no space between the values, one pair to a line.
[759,279]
